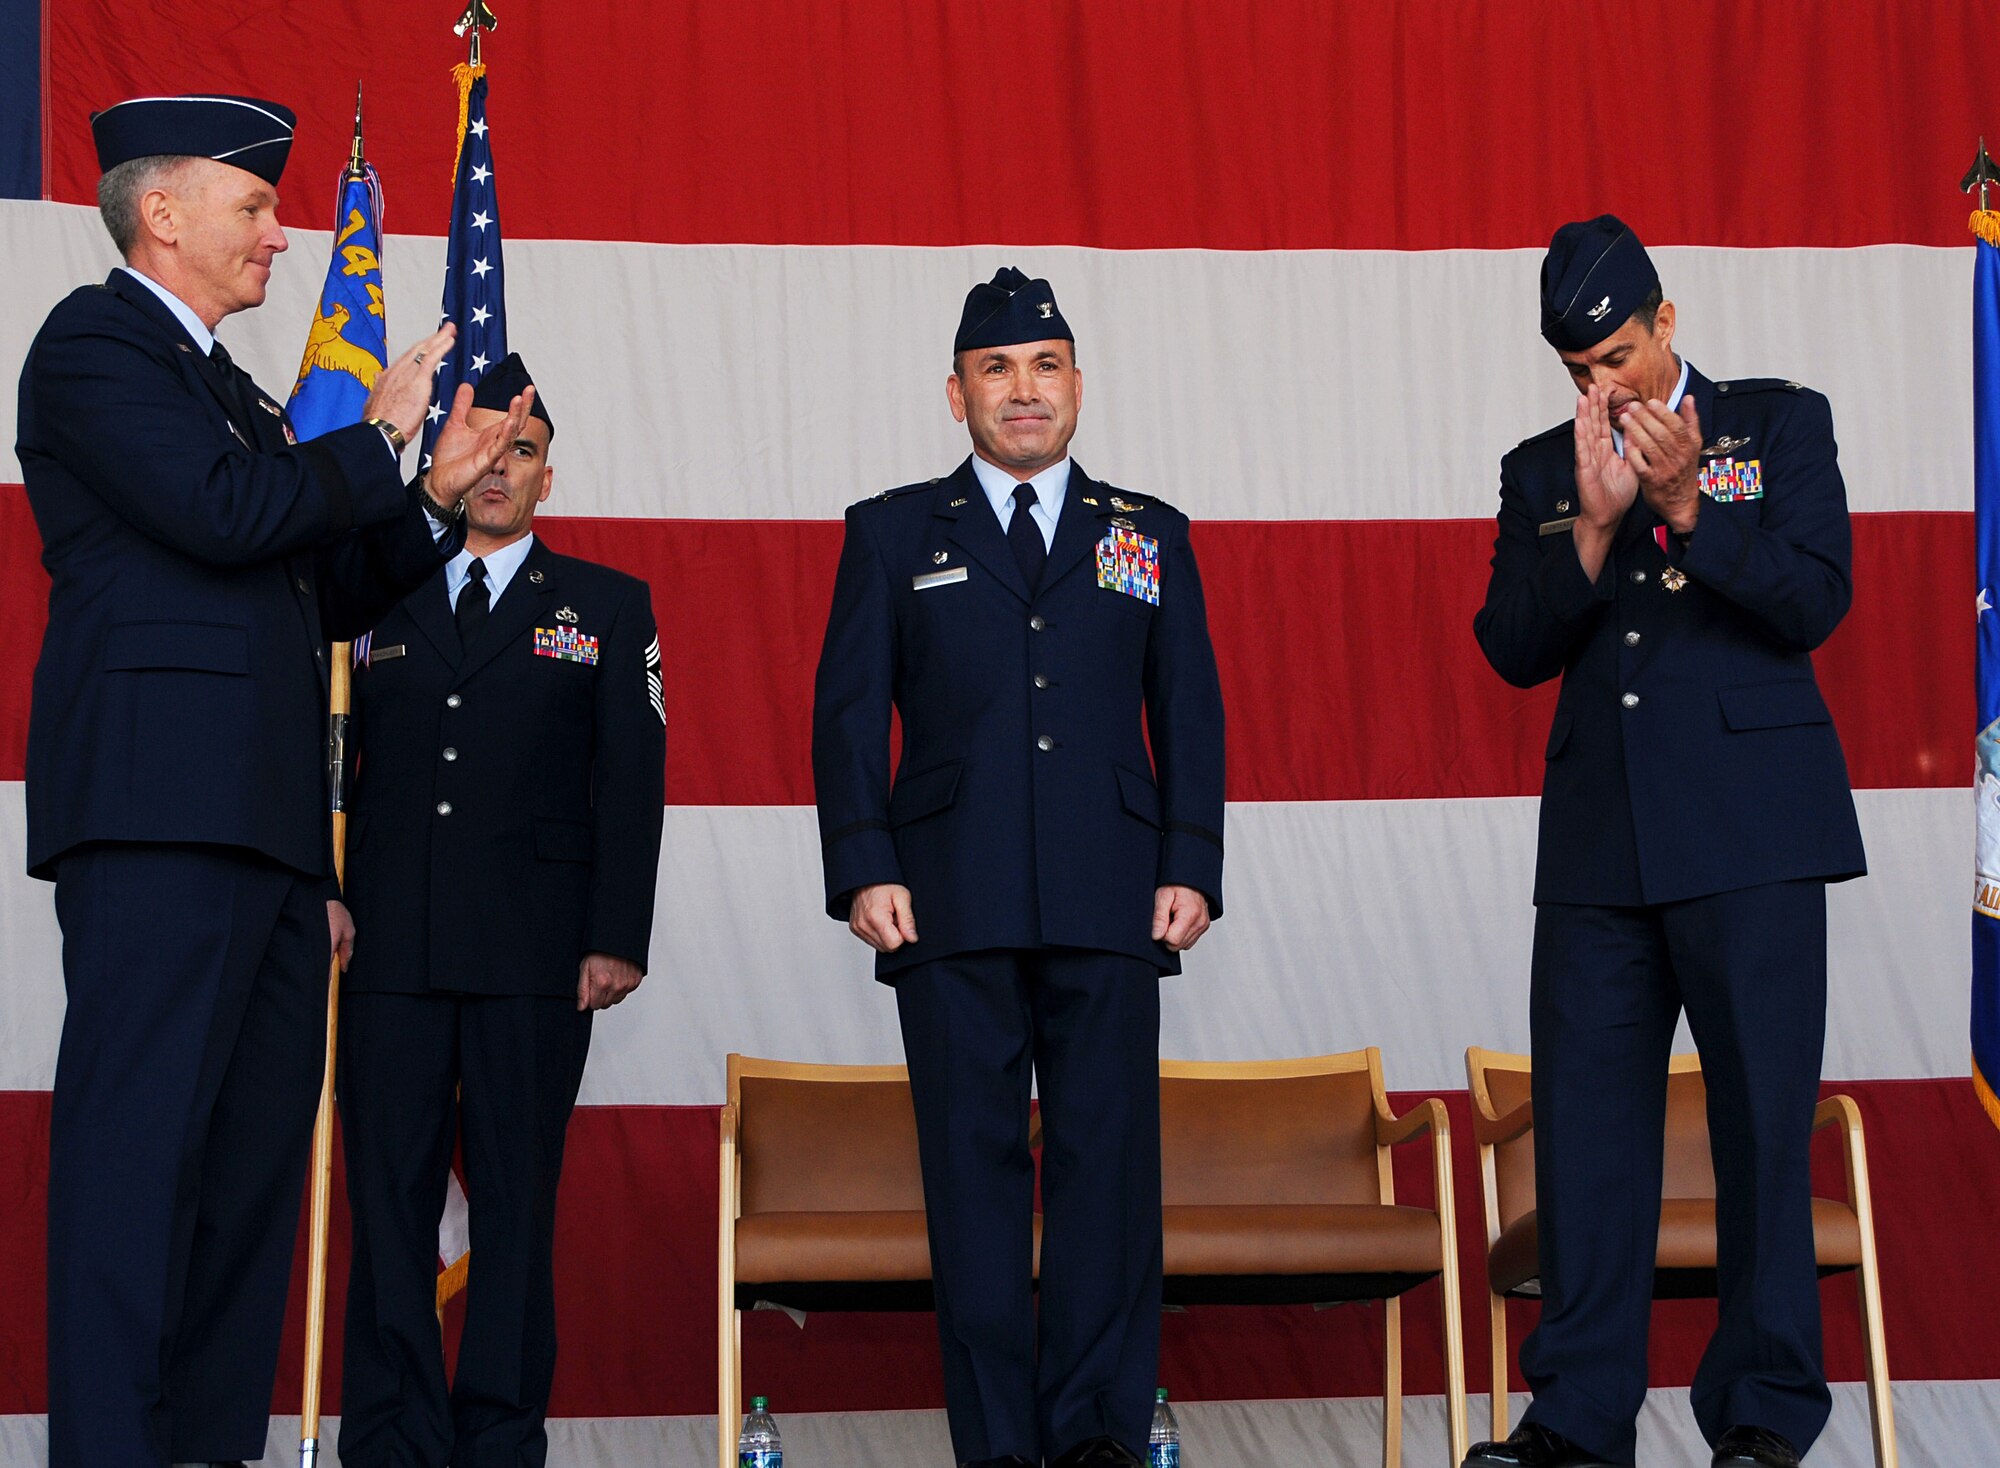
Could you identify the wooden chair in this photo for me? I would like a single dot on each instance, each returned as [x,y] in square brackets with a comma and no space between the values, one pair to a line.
[1278,1189]
[1843,1229]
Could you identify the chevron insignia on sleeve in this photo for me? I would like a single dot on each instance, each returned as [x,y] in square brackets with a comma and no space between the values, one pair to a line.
[655,691]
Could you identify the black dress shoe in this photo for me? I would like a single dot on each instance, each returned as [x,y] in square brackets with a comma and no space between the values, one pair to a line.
[1099,1452]
[1533,1446]
[1754,1447]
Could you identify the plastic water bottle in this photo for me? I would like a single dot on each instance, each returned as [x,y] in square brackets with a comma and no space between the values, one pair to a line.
[758,1445]
[1163,1447]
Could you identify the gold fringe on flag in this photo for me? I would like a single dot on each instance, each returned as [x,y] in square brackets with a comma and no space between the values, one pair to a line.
[452,1278]
[1986,224]
[465,75]
[1979,1086]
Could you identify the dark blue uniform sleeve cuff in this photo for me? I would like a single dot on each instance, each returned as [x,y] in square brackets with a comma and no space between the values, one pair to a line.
[1565,590]
[1190,857]
[859,856]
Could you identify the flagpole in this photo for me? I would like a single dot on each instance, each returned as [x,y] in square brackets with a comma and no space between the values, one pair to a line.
[340,705]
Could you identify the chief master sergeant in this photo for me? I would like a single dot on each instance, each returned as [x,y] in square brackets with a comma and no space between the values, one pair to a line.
[199,558]
[1674,554]
[1035,628]
[510,737]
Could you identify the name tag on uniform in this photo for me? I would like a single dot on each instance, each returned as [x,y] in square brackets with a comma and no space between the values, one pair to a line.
[937,578]
[565,643]
[1129,562]
[1557,527]
[383,654]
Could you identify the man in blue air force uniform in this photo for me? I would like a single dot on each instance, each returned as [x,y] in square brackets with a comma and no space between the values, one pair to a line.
[510,735]
[198,559]
[1674,554]
[1029,876]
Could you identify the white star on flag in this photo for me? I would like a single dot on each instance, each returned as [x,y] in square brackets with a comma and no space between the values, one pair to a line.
[433,413]
[479,128]
[1982,606]
[478,364]
[480,315]
[481,173]
[481,219]
[480,267]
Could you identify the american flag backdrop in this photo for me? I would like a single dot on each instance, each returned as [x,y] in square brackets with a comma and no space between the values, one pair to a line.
[1298,241]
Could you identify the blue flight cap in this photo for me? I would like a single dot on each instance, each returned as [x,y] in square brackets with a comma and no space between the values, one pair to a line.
[503,383]
[246,132]
[1593,278]
[1008,310]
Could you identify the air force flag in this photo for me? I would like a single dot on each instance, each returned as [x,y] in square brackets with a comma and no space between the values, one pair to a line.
[349,340]
[1986,521]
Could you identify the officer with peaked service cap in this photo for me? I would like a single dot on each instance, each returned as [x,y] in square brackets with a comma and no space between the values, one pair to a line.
[510,736]
[1029,874]
[199,557]
[1673,554]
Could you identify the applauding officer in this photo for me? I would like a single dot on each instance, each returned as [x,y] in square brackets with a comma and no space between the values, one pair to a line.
[1674,554]
[511,739]
[1034,628]
[198,559]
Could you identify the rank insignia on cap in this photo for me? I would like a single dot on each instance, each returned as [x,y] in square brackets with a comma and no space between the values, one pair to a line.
[1047,308]
[1724,445]
[1726,480]
[565,644]
[1601,310]
[1129,562]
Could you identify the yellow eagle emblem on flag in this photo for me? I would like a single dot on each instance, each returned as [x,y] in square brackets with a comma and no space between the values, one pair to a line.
[329,351]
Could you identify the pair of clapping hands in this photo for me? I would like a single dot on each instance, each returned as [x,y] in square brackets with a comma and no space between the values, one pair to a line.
[462,455]
[1661,461]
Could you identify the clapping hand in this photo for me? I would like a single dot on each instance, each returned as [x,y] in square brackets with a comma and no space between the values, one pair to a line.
[1664,450]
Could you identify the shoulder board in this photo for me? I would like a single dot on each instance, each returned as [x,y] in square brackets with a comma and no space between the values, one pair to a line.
[1127,503]
[897,493]
[1559,431]
[1760,384]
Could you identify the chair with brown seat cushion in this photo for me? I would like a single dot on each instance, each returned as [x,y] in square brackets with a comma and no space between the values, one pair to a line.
[1278,1189]
[1503,1127]
[822,1204]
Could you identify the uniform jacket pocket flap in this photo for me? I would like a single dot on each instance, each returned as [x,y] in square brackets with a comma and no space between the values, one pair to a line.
[1141,796]
[202,647]
[562,841]
[1558,735]
[923,794]
[1773,705]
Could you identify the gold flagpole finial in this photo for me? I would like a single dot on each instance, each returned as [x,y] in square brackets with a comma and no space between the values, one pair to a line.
[357,163]
[1982,175]
[478,17]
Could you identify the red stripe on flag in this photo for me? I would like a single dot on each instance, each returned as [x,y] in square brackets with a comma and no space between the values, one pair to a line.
[636,1280]
[1346,649]
[1287,124]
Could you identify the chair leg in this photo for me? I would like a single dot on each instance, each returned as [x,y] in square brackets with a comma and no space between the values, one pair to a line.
[728,1370]
[1881,1408]
[1498,1334]
[1392,1384]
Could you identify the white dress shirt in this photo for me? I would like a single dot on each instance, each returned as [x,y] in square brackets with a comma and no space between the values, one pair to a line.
[500,568]
[1050,487]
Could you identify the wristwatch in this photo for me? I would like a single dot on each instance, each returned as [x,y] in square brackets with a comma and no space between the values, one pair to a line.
[397,438]
[442,514]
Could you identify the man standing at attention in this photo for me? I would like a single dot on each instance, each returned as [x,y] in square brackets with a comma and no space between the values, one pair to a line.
[1674,554]
[510,737]
[1035,629]
[198,558]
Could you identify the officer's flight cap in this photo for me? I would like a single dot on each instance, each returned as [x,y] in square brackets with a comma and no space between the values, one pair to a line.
[1593,278]
[247,132]
[503,383]
[1008,310]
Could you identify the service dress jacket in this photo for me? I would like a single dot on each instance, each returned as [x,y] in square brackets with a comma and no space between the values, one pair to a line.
[508,798]
[1691,752]
[1062,752]
[198,567]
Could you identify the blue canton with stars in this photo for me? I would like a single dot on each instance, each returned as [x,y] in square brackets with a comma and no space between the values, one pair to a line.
[475,294]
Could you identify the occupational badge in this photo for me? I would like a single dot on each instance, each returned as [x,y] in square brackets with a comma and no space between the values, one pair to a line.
[1724,445]
[1129,562]
[1728,480]
[566,644]
[566,614]
[1126,505]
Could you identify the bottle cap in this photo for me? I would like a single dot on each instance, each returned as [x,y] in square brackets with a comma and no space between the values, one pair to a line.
[1160,1395]
[758,1404]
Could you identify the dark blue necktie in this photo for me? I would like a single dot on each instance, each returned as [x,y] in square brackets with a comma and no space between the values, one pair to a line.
[473,604]
[1025,536]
